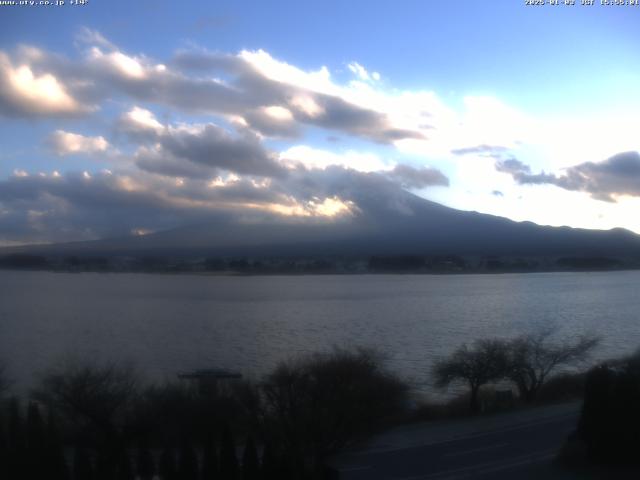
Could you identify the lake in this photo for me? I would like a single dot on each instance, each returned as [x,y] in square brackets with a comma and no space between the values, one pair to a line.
[167,323]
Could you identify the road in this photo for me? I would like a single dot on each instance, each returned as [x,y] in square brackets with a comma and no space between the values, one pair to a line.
[518,445]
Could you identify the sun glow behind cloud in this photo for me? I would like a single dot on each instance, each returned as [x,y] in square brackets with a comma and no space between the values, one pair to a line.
[331,207]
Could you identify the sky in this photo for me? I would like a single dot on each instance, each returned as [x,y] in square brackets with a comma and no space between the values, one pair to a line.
[126,118]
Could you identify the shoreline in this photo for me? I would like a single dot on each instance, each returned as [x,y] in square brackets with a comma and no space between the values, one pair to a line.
[238,273]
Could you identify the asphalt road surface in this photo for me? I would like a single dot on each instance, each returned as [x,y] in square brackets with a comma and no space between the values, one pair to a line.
[511,447]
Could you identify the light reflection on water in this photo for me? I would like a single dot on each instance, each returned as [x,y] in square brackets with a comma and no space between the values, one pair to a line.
[167,323]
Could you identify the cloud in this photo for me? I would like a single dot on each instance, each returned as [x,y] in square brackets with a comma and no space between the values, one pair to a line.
[207,61]
[140,125]
[46,207]
[495,151]
[617,176]
[222,165]
[155,159]
[254,90]
[401,174]
[316,100]
[250,85]
[513,167]
[120,64]
[314,158]
[411,177]
[378,198]
[337,114]
[83,205]
[273,121]
[28,93]
[311,97]
[67,143]
[87,36]
[362,73]
[194,149]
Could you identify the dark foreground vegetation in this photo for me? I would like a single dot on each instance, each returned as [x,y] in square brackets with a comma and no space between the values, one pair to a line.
[608,433]
[86,422]
[100,421]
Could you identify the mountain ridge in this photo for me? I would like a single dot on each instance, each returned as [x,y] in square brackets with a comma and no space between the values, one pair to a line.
[414,226]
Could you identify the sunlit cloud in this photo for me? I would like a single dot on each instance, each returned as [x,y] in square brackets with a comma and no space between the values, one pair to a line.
[361,73]
[26,93]
[315,80]
[119,62]
[140,119]
[67,143]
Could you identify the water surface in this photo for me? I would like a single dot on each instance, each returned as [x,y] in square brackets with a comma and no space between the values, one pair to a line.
[167,323]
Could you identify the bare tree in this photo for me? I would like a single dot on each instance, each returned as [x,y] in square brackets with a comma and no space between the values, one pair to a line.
[324,402]
[532,357]
[94,397]
[484,362]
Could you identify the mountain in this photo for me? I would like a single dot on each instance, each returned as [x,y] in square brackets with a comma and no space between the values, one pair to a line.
[398,224]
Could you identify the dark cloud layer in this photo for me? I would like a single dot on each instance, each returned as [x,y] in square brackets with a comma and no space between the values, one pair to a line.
[74,206]
[212,146]
[261,121]
[77,206]
[606,180]
[196,151]
[337,114]
[514,167]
